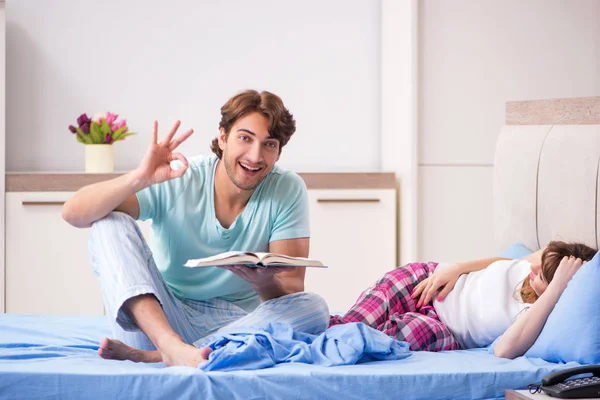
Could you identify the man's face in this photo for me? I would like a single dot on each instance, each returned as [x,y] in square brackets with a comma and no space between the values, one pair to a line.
[249,153]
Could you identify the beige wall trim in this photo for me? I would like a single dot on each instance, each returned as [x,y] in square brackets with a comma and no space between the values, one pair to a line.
[375,180]
[47,182]
[570,111]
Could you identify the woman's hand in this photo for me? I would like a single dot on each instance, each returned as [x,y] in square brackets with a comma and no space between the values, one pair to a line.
[156,164]
[564,273]
[443,277]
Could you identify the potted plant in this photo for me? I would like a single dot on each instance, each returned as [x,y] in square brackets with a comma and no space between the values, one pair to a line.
[98,134]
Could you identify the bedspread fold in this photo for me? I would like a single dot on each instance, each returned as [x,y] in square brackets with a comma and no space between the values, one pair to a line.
[248,348]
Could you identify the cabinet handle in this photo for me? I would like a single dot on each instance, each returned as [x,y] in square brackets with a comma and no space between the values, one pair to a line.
[42,203]
[348,200]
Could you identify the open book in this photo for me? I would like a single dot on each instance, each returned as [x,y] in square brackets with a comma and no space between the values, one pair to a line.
[256,260]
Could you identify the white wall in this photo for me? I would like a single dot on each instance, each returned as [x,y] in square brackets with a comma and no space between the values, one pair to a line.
[399,68]
[182,59]
[475,56]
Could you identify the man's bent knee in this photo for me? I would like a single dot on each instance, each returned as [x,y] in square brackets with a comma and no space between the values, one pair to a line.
[116,222]
[113,218]
[320,311]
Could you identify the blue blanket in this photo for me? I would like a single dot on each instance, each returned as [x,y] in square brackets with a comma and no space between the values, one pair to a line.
[249,349]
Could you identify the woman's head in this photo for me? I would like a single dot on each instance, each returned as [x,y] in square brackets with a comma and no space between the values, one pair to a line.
[542,274]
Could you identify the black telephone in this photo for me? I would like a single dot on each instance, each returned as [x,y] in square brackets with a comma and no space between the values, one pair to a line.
[556,385]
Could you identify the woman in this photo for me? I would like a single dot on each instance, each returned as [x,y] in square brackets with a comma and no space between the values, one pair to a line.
[477,301]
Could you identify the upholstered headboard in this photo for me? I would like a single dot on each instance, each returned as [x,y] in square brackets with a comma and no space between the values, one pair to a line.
[546,173]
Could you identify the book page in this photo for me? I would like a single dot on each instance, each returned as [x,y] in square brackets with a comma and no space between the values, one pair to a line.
[262,255]
[258,259]
[227,254]
[227,258]
[277,259]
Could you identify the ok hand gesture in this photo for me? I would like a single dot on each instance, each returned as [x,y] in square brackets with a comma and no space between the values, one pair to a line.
[156,164]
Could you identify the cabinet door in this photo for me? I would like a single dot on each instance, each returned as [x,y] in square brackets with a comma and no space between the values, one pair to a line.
[354,233]
[47,264]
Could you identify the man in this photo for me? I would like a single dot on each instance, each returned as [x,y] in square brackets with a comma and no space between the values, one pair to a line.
[236,200]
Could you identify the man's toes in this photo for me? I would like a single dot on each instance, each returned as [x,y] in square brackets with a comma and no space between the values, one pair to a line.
[205,352]
[104,353]
[104,344]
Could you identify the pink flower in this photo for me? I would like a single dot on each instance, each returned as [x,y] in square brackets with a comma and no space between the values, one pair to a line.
[109,139]
[116,126]
[111,118]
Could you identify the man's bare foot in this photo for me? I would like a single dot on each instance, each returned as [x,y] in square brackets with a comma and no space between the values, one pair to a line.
[116,350]
[174,351]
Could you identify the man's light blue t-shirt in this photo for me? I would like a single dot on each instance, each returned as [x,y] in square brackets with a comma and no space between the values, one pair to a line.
[184,226]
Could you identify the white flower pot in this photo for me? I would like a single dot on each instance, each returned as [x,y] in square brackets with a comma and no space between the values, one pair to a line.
[99,158]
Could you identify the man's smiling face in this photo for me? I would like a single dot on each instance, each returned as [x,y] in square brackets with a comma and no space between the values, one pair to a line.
[249,152]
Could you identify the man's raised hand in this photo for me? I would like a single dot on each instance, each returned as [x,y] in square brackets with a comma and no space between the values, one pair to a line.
[156,164]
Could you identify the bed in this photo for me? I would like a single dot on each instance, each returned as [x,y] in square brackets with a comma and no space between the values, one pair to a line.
[47,356]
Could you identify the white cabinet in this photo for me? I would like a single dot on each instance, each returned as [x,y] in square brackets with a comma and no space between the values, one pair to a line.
[354,234]
[47,264]
[48,269]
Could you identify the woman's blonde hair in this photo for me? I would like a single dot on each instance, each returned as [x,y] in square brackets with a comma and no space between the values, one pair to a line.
[551,257]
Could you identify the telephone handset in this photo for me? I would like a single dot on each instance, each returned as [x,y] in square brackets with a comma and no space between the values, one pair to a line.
[556,384]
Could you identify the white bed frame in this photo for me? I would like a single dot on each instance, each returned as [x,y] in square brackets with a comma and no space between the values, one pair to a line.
[546,173]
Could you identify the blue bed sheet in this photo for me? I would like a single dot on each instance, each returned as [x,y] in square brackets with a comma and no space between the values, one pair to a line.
[55,357]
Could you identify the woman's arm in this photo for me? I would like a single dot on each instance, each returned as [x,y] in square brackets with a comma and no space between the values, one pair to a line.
[447,278]
[521,335]
[476,265]
[535,258]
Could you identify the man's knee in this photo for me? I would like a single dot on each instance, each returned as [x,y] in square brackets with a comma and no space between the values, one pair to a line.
[114,218]
[318,302]
[116,227]
[319,310]
[116,222]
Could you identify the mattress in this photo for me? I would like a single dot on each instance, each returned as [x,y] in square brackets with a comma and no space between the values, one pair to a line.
[45,356]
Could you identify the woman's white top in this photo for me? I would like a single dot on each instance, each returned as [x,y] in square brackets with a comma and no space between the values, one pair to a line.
[485,303]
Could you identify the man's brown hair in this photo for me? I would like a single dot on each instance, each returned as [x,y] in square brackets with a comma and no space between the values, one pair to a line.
[281,123]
